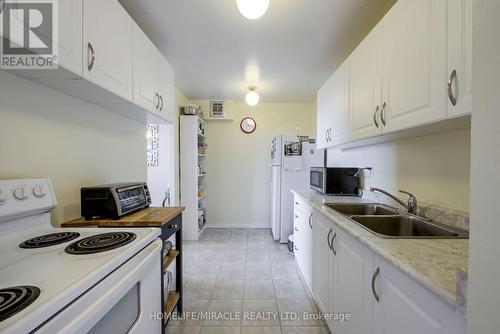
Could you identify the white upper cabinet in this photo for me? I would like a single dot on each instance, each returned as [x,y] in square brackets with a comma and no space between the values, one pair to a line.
[459,89]
[166,90]
[365,87]
[108,47]
[333,109]
[414,64]
[146,71]
[70,36]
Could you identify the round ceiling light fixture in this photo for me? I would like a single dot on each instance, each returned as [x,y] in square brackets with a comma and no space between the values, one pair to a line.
[252,98]
[252,9]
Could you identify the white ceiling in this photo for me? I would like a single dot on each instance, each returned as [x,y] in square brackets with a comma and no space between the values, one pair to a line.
[287,54]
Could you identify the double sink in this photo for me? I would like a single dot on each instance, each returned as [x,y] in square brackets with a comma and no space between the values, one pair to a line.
[388,222]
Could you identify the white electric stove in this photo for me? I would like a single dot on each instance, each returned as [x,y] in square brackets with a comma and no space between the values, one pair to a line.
[85,280]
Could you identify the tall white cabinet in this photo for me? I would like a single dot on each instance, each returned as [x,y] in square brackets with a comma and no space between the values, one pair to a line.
[192,137]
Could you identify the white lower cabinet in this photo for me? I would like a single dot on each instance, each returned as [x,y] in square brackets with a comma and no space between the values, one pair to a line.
[404,306]
[303,239]
[323,232]
[351,293]
[380,299]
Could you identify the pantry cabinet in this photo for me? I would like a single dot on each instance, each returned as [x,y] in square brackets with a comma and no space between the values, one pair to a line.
[303,238]
[414,64]
[459,86]
[108,47]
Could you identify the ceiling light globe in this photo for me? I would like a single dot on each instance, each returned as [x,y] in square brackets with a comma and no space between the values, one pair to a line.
[252,98]
[252,9]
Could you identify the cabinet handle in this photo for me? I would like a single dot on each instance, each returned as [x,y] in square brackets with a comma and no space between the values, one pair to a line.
[296,229]
[161,99]
[296,203]
[333,249]
[452,97]
[374,279]
[382,114]
[375,116]
[295,247]
[157,99]
[328,238]
[296,216]
[310,221]
[92,56]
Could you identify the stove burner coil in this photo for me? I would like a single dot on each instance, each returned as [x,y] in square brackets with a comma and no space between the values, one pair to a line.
[100,243]
[15,299]
[49,240]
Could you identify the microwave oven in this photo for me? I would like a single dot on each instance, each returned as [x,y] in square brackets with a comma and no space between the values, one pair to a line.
[335,181]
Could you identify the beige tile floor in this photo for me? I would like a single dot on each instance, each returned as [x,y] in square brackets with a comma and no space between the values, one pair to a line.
[245,271]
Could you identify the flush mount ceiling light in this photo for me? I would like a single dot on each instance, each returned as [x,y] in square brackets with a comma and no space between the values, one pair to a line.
[252,98]
[252,9]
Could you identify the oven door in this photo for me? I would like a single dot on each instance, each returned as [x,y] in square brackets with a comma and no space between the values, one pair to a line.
[126,301]
[317,179]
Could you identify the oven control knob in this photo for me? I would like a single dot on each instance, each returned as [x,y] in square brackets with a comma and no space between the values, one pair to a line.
[20,193]
[38,191]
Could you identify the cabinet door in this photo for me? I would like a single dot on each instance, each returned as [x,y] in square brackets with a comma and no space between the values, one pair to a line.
[459,57]
[107,45]
[167,90]
[70,35]
[339,122]
[304,244]
[406,307]
[146,69]
[323,282]
[322,115]
[414,54]
[351,293]
[365,87]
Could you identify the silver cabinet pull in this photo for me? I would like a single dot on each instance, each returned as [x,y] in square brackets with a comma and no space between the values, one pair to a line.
[296,203]
[296,248]
[296,229]
[328,238]
[374,279]
[296,216]
[161,99]
[333,248]
[375,116]
[452,97]
[157,99]
[382,114]
[310,221]
[92,56]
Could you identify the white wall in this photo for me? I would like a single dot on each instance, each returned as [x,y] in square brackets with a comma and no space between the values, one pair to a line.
[46,133]
[484,271]
[238,189]
[435,168]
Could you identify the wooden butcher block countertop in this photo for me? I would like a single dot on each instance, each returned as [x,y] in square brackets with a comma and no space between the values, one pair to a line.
[149,217]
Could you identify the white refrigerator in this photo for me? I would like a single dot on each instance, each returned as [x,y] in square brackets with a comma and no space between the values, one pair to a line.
[289,171]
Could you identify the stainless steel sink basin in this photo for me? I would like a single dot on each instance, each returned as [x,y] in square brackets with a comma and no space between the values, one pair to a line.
[351,209]
[387,222]
[407,226]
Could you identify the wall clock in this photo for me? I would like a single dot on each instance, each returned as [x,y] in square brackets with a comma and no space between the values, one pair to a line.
[248,125]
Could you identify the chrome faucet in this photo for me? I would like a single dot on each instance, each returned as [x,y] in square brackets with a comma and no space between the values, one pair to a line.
[410,205]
